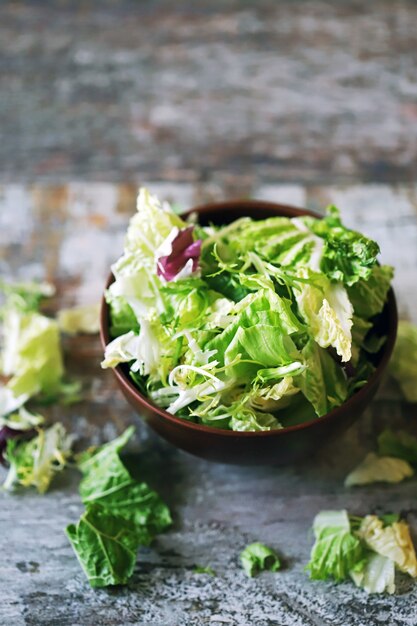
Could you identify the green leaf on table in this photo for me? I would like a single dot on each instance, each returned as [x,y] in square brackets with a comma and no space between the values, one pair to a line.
[31,354]
[202,569]
[378,575]
[105,545]
[336,551]
[398,444]
[34,463]
[80,319]
[108,483]
[403,364]
[374,468]
[257,557]
[26,296]
[392,541]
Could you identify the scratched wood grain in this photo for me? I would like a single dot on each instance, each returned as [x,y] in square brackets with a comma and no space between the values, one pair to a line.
[70,234]
[224,90]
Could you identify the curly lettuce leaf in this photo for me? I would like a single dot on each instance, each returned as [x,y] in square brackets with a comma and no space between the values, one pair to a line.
[150,226]
[376,468]
[398,444]
[393,542]
[257,557]
[337,551]
[34,463]
[25,297]
[326,309]
[348,256]
[403,365]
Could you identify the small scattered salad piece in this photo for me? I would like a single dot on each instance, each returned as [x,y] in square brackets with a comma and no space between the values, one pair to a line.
[398,444]
[105,545]
[378,575]
[365,549]
[107,482]
[403,364]
[230,325]
[20,425]
[31,356]
[392,541]
[337,551]
[257,557]
[80,319]
[376,468]
[202,569]
[121,515]
[34,463]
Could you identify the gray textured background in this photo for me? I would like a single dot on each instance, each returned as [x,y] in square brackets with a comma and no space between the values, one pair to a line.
[299,102]
[288,90]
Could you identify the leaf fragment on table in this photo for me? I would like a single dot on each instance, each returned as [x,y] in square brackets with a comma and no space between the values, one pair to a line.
[337,551]
[34,463]
[257,557]
[378,575]
[81,319]
[376,468]
[112,496]
[204,569]
[105,546]
[392,541]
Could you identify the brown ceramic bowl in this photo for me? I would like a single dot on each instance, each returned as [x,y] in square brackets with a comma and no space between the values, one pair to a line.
[255,448]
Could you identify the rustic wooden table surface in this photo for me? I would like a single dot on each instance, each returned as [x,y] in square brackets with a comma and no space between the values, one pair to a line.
[294,101]
[70,234]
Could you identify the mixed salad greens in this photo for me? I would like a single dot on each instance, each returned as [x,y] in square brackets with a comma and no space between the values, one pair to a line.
[366,549]
[250,326]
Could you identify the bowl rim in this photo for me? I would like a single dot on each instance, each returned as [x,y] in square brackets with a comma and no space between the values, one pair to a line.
[285,210]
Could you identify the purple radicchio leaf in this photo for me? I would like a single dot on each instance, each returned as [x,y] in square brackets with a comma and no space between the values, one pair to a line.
[179,255]
[7,433]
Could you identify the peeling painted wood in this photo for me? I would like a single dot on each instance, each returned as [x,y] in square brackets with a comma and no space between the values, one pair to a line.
[70,234]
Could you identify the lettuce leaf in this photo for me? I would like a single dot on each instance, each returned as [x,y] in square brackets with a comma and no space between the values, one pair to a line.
[337,551]
[376,468]
[378,575]
[31,354]
[403,365]
[368,296]
[107,483]
[326,308]
[348,256]
[257,557]
[34,463]
[105,545]
[121,515]
[24,297]
[323,382]
[80,319]
[398,444]
[393,542]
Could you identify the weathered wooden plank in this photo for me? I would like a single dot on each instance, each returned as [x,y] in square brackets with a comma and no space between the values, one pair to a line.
[223,91]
